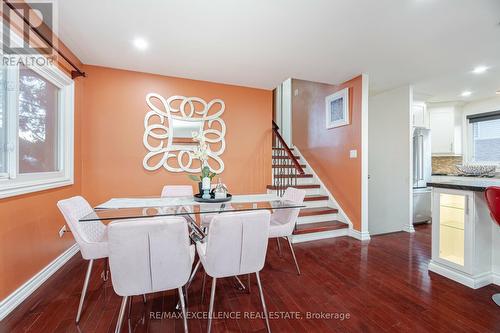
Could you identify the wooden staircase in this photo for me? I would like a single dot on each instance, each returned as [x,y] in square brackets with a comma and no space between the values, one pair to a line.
[320,219]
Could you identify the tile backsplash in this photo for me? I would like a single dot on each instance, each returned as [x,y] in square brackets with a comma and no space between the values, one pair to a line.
[445,164]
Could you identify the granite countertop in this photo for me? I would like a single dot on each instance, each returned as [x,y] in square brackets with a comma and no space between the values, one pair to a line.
[463,183]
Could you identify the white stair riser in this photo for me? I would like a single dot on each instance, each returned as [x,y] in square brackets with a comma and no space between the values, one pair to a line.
[319,235]
[316,203]
[317,218]
[307,181]
[309,191]
[313,191]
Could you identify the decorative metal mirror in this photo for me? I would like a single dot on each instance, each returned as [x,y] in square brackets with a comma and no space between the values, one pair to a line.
[169,127]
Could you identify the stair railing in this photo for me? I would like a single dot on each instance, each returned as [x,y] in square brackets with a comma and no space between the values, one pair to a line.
[286,168]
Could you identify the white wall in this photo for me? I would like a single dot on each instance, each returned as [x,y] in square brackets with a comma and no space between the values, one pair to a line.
[389,161]
[283,110]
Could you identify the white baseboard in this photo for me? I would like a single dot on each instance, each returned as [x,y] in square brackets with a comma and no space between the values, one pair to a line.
[409,228]
[496,278]
[8,304]
[362,236]
[474,282]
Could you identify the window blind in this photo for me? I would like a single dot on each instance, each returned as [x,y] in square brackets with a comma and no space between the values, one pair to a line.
[476,118]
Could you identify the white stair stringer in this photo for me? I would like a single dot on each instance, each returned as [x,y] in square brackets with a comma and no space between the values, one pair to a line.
[330,202]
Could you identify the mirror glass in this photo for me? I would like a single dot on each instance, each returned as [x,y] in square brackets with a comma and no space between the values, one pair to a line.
[183,130]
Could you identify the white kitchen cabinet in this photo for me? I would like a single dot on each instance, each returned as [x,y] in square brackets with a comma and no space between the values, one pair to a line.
[461,239]
[445,131]
[420,115]
[452,228]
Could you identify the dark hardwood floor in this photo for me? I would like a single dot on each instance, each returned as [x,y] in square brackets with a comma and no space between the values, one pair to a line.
[382,286]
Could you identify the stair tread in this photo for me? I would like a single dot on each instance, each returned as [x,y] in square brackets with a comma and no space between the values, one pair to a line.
[317,211]
[315,197]
[279,148]
[287,165]
[272,187]
[306,175]
[307,228]
[285,157]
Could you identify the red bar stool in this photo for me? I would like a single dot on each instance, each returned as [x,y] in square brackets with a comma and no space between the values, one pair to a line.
[492,195]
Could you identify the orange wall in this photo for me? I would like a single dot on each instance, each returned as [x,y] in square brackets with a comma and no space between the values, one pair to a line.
[29,224]
[108,158]
[327,151]
[113,127]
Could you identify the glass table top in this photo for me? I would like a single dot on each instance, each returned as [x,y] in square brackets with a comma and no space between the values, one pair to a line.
[133,208]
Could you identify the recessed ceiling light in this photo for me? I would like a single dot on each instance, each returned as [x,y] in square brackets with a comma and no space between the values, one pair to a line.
[466,93]
[140,43]
[498,92]
[479,69]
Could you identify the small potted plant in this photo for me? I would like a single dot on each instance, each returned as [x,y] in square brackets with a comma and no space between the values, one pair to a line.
[205,174]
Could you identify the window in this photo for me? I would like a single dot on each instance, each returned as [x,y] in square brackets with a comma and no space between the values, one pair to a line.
[36,129]
[485,138]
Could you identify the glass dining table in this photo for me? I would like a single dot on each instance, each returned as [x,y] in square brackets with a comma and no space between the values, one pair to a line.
[149,207]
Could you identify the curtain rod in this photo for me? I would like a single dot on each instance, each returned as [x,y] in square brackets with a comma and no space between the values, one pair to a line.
[74,74]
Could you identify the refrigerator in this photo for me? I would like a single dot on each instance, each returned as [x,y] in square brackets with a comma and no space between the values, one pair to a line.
[422,171]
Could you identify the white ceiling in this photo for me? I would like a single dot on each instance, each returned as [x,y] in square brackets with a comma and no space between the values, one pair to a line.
[430,43]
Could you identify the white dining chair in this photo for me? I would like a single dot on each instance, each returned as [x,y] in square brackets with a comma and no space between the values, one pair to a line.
[172,191]
[91,237]
[176,191]
[283,220]
[148,256]
[236,245]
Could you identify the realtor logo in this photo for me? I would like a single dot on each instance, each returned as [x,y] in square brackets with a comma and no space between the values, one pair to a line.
[28,27]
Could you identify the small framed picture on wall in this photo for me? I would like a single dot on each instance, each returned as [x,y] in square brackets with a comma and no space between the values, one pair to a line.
[337,109]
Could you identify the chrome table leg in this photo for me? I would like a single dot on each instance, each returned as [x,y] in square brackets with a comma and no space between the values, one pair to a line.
[203,287]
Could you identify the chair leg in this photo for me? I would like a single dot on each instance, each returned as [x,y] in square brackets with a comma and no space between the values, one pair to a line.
[241,285]
[105,272]
[130,302]
[293,255]
[264,308]
[121,314]
[183,306]
[496,299]
[211,306]
[84,290]
[279,246]
[186,287]
[203,287]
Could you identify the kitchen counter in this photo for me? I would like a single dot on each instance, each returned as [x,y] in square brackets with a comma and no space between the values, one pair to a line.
[477,184]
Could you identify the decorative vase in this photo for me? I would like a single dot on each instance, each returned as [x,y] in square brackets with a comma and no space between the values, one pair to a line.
[206,188]
[220,191]
[200,188]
